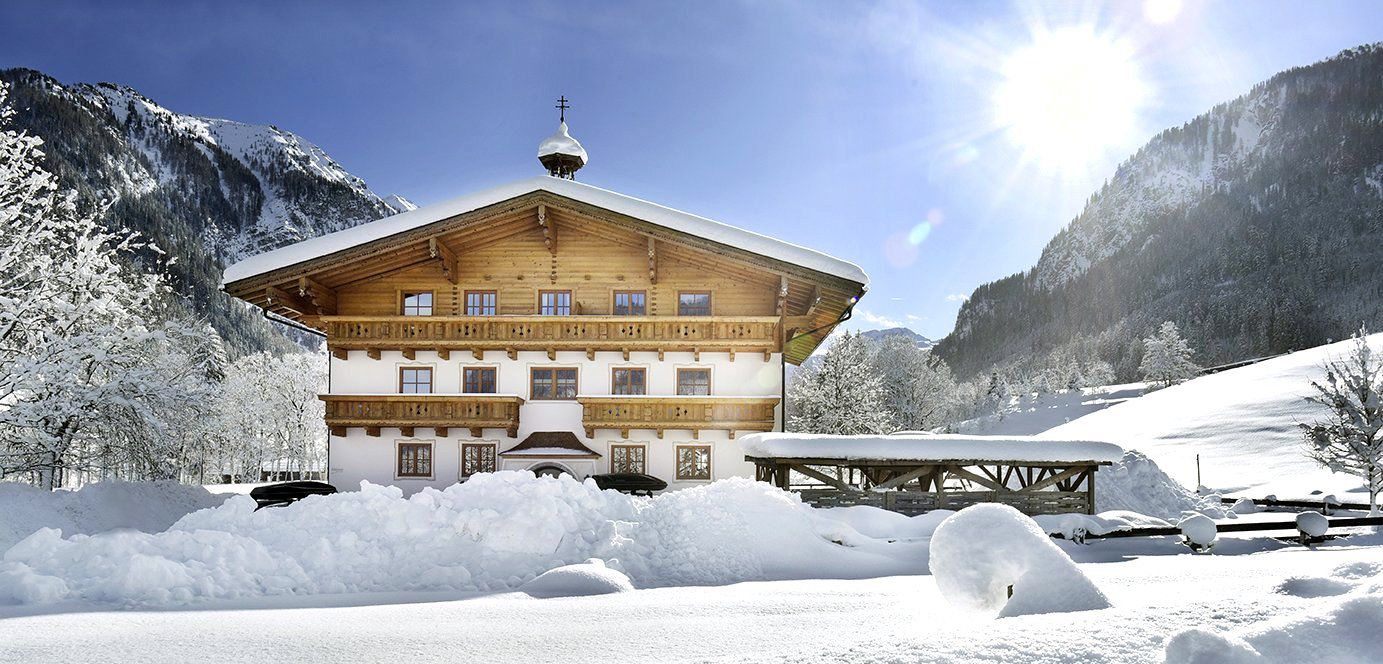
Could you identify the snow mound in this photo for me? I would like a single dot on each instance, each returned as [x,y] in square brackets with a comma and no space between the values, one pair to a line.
[1348,631]
[495,532]
[1199,530]
[147,506]
[985,552]
[1136,484]
[1312,524]
[592,577]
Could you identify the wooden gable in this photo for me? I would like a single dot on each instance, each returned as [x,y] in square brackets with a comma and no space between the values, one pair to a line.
[543,241]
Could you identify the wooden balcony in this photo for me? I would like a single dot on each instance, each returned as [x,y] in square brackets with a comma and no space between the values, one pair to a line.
[731,414]
[436,411]
[722,334]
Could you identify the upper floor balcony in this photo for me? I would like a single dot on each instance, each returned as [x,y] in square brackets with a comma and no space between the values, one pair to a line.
[372,412]
[693,413]
[721,334]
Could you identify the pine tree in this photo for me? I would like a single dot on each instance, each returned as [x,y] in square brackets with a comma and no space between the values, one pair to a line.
[1348,441]
[841,394]
[1167,357]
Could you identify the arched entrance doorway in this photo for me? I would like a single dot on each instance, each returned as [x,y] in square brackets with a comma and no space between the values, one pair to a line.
[549,470]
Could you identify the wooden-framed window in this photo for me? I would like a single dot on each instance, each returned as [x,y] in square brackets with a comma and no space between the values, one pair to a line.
[693,462]
[694,303]
[693,382]
[628,381]
[552,383]
[628,459]
[482,303]
[478,380]
[554,303]
[630,303]
[417,303]
[415,460]
[415,380]
[477,458]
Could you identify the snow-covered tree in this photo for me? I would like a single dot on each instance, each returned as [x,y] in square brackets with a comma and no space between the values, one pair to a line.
[1348,440]
[840,394]
[1167,357]
[270,416]
[919,391]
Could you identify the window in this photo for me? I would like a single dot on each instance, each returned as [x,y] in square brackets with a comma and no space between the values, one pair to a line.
[417,304]
[693,382]
[630,303]
[693,462]
[627,459]
[547,383]
[478,380]
[477,458]
[415,380]
[481,303]
[694,303]
[415,460]
[628,381]
[554,303]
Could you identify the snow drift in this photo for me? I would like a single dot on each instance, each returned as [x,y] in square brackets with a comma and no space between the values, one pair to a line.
[495,532]
[147,506]
[985,551]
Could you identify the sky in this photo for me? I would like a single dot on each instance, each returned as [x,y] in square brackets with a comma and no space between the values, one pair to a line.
[937,145]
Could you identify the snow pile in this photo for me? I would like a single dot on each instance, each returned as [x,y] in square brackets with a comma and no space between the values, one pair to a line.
[927,447]
[1199,530]
[1312,524]
[991,557]
[589,578]
[494,532]
[147,506]
[1242,422]
[1136,484]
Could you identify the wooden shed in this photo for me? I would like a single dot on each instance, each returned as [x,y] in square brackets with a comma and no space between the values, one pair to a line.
[912,473]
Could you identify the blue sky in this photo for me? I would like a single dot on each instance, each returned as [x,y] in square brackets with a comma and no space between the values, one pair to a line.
[882,133]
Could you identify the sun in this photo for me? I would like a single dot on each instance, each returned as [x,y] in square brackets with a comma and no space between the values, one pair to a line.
[1070,97]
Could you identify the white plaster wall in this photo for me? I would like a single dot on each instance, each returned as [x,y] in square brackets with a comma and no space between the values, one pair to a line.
[358,456]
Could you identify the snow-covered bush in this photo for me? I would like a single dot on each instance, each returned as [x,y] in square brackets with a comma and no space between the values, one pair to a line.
[990,557]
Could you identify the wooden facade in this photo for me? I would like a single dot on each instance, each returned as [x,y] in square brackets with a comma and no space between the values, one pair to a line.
[693,414]
[473,412]
[917,486]
[543,241]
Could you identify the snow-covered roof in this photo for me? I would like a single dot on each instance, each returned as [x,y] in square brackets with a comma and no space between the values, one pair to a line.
[649,212]
[562,143]
[926,448]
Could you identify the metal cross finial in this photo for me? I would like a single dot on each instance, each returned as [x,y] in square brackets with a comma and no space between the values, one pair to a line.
[562,107]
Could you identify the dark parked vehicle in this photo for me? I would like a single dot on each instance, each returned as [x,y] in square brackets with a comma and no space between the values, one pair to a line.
[634,484]
[287,493]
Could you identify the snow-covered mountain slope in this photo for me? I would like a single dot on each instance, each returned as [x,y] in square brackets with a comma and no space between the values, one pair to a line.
[880,335]
[1242,422]
[206,191]
[1255,227]
[1035,413]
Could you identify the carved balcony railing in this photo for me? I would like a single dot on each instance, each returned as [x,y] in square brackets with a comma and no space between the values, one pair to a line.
[553,333]
[695,414]
[475,412]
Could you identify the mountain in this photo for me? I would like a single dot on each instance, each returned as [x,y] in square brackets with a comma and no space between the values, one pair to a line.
[880,335]
[1257,227]
[206,191]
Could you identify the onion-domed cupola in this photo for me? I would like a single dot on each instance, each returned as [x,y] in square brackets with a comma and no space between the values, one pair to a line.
[559,153]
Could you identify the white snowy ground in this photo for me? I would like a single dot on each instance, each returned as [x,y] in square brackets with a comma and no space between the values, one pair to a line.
[1243,423]
[1291,603]
[1036,413]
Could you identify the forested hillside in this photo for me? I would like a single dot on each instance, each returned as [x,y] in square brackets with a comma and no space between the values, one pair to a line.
[206,192]
[1257,227]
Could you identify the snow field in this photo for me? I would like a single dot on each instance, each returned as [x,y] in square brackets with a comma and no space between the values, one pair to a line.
[495,532]
[992,558]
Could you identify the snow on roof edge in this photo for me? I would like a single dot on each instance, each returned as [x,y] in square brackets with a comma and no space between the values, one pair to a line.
[931,447]
[640,209]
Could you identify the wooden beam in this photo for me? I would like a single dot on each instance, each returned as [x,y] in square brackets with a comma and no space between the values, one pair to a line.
[782,306]
[905,477]
[340,353]
[444,255]
[475,432]
[590,356]
[319,296]
[406,431]
[440,432]
[652,261]
[982,481]
[372,432]
[1042,484]
[281,298]
[732,355]
[513,354]
[552,354]
[339,432]
[626,353]
[372,353]
[823,477]
[409,354]
[478,354]
[549,229]
[444,353]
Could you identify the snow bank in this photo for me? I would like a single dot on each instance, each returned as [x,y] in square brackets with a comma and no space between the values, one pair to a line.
[980,448]
[147,506]
[589,578]
[1070,525]
[1136,484]
[984,551]
[494,532]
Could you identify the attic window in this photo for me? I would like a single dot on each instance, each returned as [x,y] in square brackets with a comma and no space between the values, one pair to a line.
[417,304]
